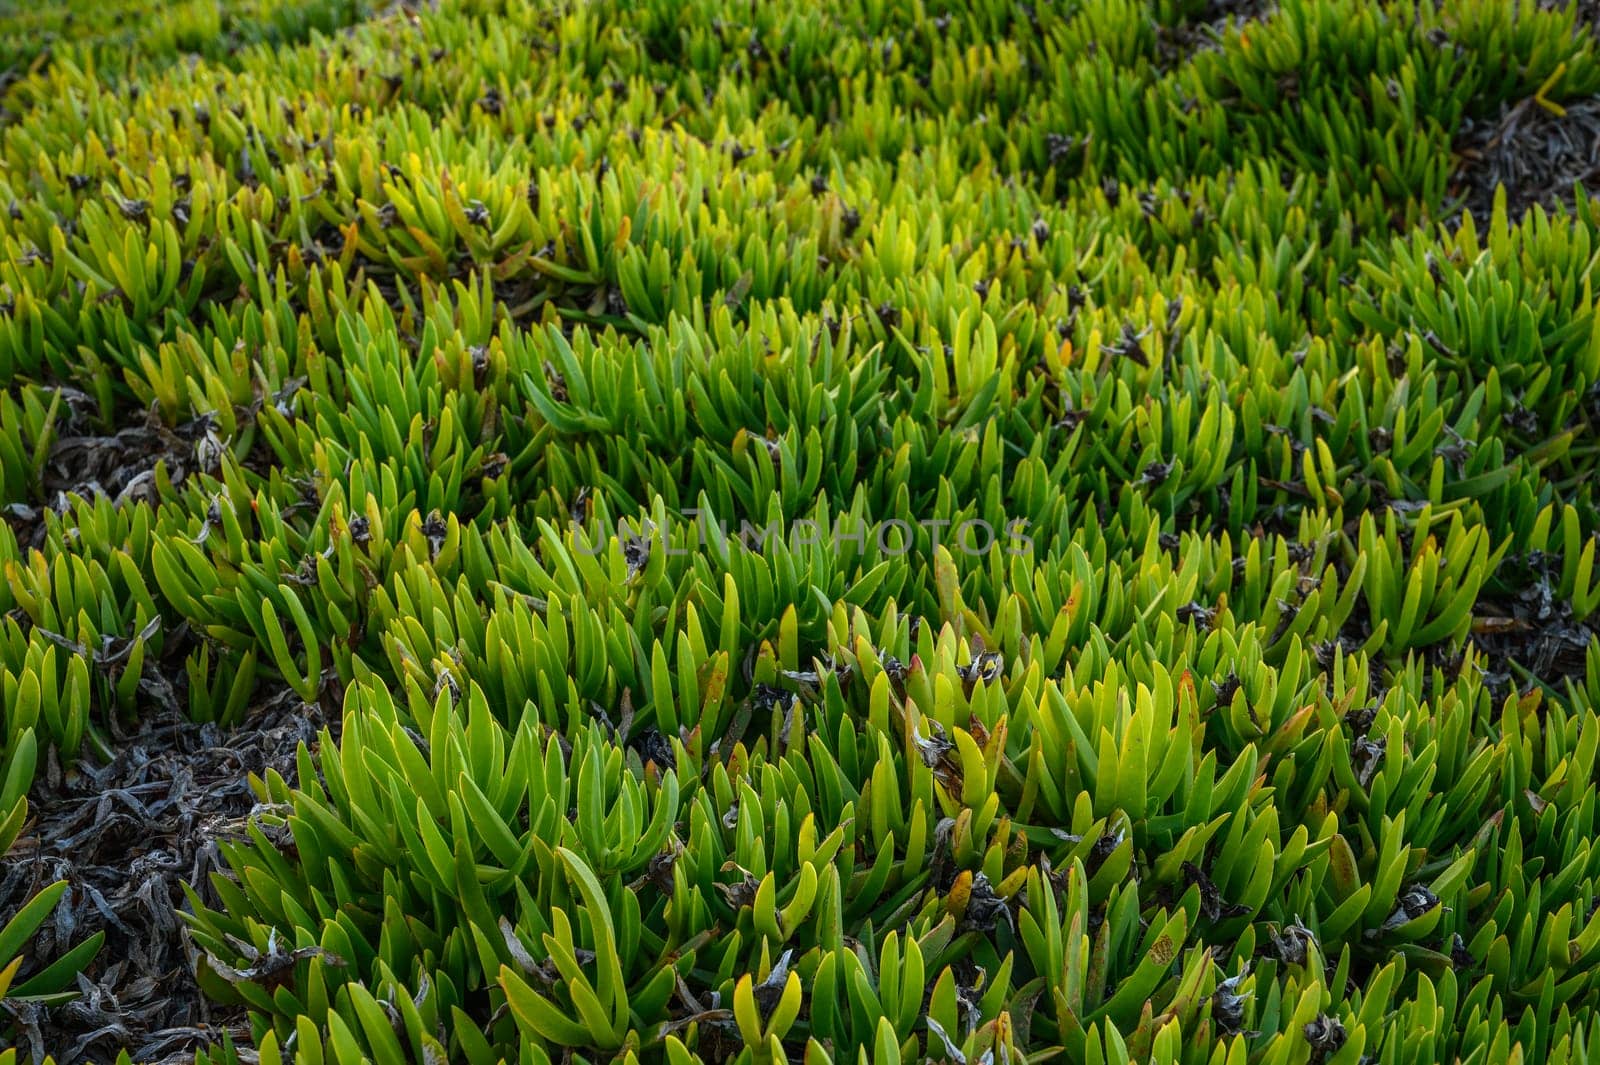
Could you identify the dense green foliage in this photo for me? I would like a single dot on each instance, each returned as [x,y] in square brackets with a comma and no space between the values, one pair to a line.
[122,39]
[1225,694]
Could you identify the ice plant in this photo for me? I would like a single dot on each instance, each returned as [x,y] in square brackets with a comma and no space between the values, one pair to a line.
[670,532]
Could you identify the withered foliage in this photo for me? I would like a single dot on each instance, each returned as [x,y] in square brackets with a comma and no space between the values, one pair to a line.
[125,836]
[1537,152]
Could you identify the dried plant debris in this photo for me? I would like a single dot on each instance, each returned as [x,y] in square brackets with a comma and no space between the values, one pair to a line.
[1586,13]
[1533,634]
[1540,152]
[1203,26]
[123,465]
[710,532]
[125,836]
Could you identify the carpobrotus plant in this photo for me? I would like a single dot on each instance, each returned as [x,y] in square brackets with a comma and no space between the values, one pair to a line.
[724,531]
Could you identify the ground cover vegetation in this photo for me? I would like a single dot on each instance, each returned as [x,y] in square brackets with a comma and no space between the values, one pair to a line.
[1169,634]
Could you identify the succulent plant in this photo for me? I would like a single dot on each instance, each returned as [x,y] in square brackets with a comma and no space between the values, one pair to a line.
[875,532]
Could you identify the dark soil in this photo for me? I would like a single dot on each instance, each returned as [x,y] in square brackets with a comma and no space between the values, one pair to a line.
[125,835]
[1537,154]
